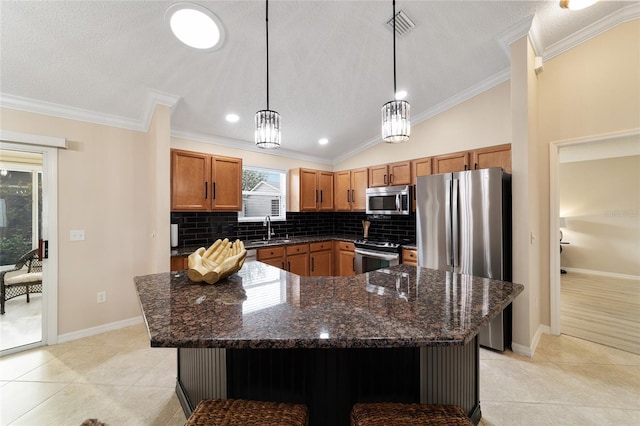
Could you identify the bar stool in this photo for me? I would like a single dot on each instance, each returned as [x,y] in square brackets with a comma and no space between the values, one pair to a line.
[392,413]
[231,412]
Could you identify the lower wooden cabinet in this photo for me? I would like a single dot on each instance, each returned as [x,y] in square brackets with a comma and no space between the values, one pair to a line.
[409,257]
[298,259]
[274,256]
[321,258]
[178,263]
[345,259]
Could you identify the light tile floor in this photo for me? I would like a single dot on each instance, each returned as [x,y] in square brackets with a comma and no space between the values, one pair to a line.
[119,379]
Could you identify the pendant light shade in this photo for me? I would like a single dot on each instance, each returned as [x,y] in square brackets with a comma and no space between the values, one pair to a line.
[267,129]
[267,134]
[396,125]
[396,122]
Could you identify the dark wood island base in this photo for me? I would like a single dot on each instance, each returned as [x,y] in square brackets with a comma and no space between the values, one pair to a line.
[330,381]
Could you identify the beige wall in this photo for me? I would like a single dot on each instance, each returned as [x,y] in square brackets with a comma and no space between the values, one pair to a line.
[483,120]
[600,200]
[250,158]
[592,89]
[103,188]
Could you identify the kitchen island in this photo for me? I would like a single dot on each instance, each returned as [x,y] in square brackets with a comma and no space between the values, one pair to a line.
[405,334]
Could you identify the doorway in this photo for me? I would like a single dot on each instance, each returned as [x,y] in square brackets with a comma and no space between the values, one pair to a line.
[592,207]
[20,231]
[19,155]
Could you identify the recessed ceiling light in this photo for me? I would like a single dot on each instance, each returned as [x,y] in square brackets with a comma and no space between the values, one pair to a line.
[232,118]
[323,141]
[401,94]
[195,26]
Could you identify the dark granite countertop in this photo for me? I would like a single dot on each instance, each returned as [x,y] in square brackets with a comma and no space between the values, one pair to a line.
[265,307]
[256,244]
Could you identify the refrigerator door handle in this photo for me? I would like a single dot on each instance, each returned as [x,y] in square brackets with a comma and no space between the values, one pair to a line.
[455,228]
[447,219]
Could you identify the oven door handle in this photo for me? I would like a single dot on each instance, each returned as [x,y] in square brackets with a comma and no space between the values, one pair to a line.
[377,254]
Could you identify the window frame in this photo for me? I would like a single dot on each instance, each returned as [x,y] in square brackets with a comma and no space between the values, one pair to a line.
[283,196]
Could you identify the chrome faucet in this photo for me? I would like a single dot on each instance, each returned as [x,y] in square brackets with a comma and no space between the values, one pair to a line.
[267,223]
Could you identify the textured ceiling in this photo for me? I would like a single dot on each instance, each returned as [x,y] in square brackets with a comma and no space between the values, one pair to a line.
[330,62]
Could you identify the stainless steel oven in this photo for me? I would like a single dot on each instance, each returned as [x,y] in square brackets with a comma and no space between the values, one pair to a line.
[372,255]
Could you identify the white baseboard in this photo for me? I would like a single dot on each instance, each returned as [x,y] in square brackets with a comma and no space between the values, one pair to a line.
[528,351]
[87,332]
[600,273]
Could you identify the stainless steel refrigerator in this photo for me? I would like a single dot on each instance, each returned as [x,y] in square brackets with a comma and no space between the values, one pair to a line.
[464,226]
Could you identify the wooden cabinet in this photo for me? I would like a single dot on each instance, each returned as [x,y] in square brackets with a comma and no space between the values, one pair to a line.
[321,257]
[345,259]
[483,158]
[390,174]
[298,259]
[203,182]
[419,167]
[310,190]
[409,257]
[493,156]
[179,263]
[451,162]
[351,190]
[274,256]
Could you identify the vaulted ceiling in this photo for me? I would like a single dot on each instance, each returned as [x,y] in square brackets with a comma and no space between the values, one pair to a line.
[331,63]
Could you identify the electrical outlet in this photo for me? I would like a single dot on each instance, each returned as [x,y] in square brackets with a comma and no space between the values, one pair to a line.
[102,296]
[76,235]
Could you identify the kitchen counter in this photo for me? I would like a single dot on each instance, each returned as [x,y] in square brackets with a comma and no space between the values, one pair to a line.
[265,307]
[276,241]
[403,334]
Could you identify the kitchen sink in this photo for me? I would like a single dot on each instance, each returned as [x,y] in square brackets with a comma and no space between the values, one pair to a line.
[268,242]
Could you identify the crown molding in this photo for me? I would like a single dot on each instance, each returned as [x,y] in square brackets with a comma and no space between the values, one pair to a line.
[246,146]
[528,26]
[626,14]
[156,97]
[71,113]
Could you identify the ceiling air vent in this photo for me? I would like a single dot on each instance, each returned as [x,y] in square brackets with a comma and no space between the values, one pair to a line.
[404,24]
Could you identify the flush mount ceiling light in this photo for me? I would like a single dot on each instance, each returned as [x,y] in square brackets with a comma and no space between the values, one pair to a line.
[396,124]
[323,141]
[576,4]
[267,133]
[195,26]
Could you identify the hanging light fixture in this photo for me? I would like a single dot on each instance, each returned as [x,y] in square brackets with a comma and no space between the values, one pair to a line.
[267,121]
[396,124]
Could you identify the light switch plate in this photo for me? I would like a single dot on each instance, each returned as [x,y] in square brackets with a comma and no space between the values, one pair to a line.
[76,235]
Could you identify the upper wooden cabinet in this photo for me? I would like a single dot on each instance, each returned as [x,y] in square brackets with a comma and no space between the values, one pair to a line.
[420,167]
[203,182]
[351,189]
[450,162]
[310,190]
[493,156]
[390,174]
[483,158]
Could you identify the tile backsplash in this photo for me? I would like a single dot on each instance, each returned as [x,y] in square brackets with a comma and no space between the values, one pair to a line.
[203,228]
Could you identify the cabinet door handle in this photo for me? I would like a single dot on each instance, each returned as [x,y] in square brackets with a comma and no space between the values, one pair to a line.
[353,195]
[391,179]
[353,266]
[282,265]
[475,166]
[321,191]
[214,190]
[313,267]
[316,195]
[289,266]
[465,167]
[384,179]
[206,190]
[348,200]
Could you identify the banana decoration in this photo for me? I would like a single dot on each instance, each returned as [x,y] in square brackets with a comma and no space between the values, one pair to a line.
[217,262]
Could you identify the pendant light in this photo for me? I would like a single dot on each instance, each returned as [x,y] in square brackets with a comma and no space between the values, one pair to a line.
[267,121]
[396,125]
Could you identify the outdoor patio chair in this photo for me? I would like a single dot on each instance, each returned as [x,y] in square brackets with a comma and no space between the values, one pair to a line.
[27,282]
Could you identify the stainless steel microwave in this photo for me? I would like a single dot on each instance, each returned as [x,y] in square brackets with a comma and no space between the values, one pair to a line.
[391,200]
